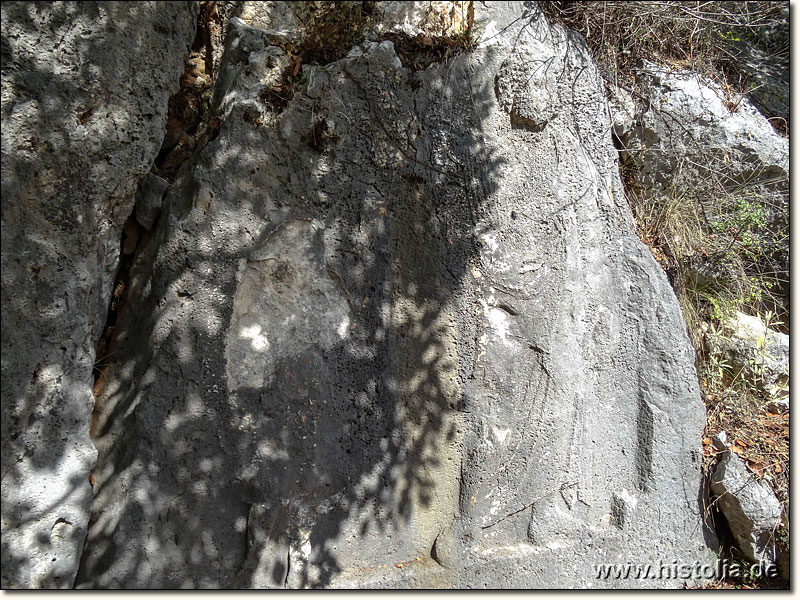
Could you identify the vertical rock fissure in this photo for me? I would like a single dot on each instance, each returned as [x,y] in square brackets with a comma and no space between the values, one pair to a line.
[190,122]
[189,127]
[118,303]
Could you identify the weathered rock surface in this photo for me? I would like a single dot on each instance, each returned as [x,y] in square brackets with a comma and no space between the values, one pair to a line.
[763,59]
[84,99]
[400,333]
[769,79]
[759,353]
[149,196]
[752,510]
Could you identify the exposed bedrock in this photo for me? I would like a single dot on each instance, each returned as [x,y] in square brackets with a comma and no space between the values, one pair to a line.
[84,101]
[397,331]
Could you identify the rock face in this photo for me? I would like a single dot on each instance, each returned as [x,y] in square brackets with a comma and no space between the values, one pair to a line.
[764,61]
[399,332]
[770,88]
[681,124]
[84,99]
[149,196]
[757,352]
[750,507]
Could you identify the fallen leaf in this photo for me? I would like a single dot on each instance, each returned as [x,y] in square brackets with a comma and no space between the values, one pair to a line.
[706,441]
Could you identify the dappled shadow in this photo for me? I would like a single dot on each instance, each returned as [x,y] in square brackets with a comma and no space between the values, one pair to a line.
[76,135]
[285,399]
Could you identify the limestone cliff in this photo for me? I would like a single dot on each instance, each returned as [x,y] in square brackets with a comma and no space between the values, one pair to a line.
[391,328]
[84,103]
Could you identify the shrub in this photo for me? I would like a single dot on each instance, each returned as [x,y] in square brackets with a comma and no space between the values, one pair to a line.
[693,35]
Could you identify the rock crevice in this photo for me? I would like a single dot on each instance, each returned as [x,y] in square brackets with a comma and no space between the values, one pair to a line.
[84,90]
[393,329]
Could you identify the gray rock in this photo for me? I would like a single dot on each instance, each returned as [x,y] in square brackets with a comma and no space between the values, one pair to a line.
[253,63]
[622,107]
[768,77]
[752,511]
[273,15]
[84,99]
[390,337]
[685,126]
[759,353]
[149,195]
[720,441]
[778,406]
[705,274]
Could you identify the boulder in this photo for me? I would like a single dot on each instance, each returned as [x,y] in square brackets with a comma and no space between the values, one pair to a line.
[768,79]
[399,332]
[756,352]
[762,57]
[751,509]
[84,100]
[685,124]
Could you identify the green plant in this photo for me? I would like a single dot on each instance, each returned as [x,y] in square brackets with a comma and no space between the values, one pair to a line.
[718,365]
[720,243]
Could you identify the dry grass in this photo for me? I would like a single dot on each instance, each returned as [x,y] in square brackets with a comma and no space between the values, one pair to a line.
[692,35]
[331,29]
[740,231]
[706,219]
[706,224]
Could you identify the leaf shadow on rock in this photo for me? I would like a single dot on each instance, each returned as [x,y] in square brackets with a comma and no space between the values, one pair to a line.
[75,137]
[290,376]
